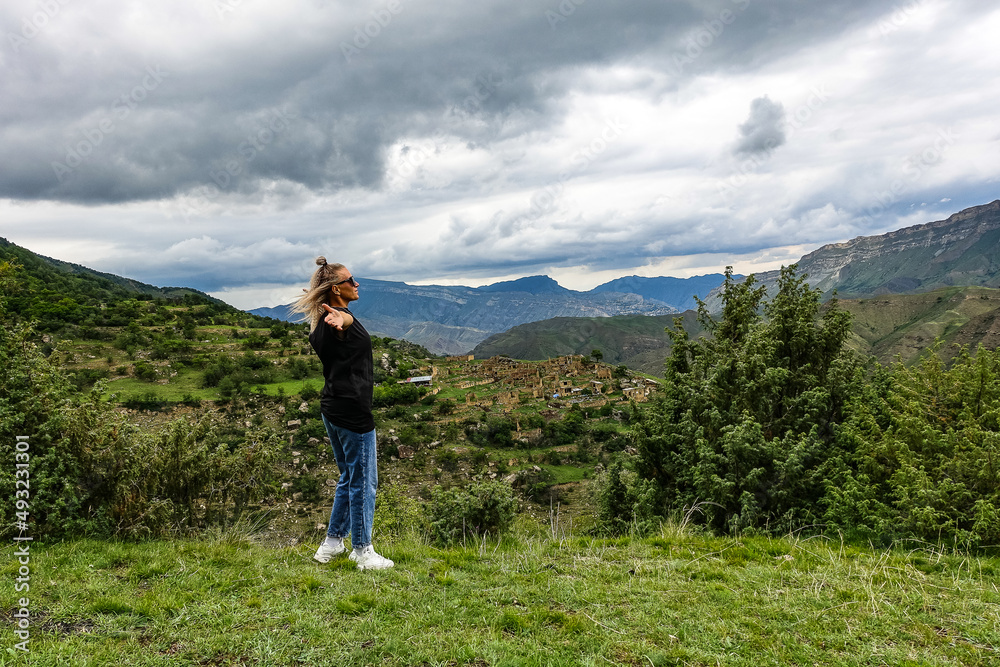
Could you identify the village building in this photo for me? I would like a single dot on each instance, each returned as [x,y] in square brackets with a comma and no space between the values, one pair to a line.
[572,378]
[419,380]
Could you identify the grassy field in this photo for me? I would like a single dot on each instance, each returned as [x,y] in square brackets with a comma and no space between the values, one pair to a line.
[536,598]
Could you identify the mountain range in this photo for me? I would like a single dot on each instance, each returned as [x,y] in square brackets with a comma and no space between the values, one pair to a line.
[962,250]
[893,327]
[906,289]
[454,319]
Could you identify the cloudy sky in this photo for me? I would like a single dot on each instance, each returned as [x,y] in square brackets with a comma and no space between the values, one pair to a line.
[223,144]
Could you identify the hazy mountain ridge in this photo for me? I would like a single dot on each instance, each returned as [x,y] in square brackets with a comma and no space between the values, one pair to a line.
[453,319]
[962,250]
[530,284]
[678,292]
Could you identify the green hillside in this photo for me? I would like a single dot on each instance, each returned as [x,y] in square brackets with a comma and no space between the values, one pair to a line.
[636,341]
[887,327]
[57,294]
[191,373]
[906,325]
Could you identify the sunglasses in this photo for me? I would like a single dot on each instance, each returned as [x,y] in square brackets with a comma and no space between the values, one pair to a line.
[348,280]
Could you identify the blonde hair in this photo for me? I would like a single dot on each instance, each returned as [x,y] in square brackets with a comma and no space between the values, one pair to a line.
[323,279]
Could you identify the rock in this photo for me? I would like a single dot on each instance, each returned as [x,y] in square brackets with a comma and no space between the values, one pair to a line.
[297,496]
[296,453]
[313,441]
[331,482]
[405,452]
[304,407]
[536,468]
[292,423]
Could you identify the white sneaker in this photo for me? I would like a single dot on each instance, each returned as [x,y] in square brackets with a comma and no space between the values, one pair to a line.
[367,559]
[327,551]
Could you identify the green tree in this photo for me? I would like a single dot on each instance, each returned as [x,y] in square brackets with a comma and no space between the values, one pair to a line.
[924,447]
[92,472]
[748,416]
[484,508]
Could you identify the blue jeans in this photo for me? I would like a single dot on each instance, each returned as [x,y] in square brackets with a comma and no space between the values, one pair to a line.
[354,501]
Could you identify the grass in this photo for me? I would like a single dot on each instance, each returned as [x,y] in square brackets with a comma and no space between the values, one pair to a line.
[675,598]
[567,473]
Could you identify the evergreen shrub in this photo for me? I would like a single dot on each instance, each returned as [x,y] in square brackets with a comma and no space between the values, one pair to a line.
[94,473]
[484,508]
[748,416]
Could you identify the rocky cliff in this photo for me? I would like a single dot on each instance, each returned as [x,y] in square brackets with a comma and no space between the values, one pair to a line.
[962,250]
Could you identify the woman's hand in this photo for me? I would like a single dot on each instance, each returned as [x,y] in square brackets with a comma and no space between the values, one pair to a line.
[337,319]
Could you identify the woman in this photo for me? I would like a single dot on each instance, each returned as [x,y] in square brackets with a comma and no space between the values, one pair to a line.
[345,348]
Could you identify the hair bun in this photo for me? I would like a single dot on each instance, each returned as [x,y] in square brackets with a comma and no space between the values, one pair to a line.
[321,261]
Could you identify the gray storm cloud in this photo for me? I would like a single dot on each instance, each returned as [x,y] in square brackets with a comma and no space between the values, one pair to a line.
[764,130]
[103,117]
[218,143]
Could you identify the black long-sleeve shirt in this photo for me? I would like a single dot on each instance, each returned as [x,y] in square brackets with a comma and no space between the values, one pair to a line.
[348,370]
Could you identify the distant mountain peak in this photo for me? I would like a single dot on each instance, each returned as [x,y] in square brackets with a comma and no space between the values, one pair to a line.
[529,284]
